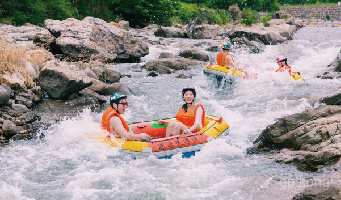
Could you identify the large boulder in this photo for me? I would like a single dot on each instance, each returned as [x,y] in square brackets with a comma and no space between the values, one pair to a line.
[194,54]
[95,39]
[169,32]
[119,87]
[313,138]
[197,30]
[9,129]
[60,79]
[46,40]
[320,192]
[273,35]
[173,63]
[333,70]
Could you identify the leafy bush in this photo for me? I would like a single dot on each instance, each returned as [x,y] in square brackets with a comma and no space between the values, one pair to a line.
[265,20]
[234,11]
[187,12]
[144,12]
[249,16]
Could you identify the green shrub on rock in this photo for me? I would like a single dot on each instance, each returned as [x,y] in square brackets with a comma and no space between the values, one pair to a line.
[249,16]
[265,20]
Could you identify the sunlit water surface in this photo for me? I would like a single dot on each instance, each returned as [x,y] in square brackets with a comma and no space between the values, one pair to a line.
[68,164]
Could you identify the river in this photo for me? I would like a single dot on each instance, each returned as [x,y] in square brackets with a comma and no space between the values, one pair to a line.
[68,164]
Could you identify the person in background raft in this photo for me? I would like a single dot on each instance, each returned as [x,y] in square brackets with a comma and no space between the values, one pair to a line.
[115,124]
[283,65]
[190,117]
[225,59]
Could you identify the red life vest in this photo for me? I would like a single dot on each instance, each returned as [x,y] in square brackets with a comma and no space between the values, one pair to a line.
[286,68]
[221,58]
[188,118]
[108,114]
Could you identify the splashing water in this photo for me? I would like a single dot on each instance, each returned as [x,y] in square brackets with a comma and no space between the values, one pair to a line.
[69,164]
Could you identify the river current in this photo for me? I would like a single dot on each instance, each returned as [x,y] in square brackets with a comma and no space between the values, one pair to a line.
[68,164]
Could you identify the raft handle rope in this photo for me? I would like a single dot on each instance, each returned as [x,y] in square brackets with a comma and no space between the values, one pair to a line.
[218,120]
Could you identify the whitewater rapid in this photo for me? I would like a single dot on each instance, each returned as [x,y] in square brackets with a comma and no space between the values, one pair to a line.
[68,164]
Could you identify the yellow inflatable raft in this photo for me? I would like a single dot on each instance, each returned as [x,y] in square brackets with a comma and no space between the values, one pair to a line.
[218,70]
[160,146]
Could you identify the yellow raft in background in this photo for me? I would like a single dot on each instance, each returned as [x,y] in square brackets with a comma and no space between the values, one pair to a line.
[218,70]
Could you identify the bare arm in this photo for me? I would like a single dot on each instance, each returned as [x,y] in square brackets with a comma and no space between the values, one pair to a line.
[117,129]
[163,121]
[231,62]
[198,120]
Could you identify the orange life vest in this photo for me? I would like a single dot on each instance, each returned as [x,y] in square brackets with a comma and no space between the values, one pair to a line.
[108,114]
[188,118]
[221,58]
[286,68]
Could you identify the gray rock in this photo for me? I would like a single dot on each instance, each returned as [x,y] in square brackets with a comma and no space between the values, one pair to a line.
[333,69]
[166,55]
[173,63]
[60,80]
[110,75]
[213,48]
[313,136]
[161,69]
[197,30]
[9,129]
[194,54]
[124,24]
[29,117]
[169,32]
[24,101]
[136,68]
[94,39]
[15,81]
[267,35]
[99,87]
[119,87]
[324,192]
[19,108]
[9,90]
[183,74]
[333,100]
[4,96]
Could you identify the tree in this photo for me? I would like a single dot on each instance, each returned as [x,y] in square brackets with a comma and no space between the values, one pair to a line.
[144,12]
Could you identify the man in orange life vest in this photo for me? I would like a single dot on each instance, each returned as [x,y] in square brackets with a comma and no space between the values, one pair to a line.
[190,117]
[225,59]
[115,124]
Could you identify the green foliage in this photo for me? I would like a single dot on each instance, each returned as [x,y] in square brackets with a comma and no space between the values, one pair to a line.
[187,12]
[36,11]
[285,16]
[328,17]
[265,20]
[268,5]
[144,12]
[249,16]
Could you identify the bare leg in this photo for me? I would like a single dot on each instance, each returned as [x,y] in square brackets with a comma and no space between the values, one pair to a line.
[175,128]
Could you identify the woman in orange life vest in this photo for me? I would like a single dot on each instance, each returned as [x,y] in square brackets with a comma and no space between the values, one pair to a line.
[115,124]
[190,117]
[225,59]
[283,65]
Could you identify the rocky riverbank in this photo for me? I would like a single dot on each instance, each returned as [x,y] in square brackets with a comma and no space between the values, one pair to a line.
[311,141]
